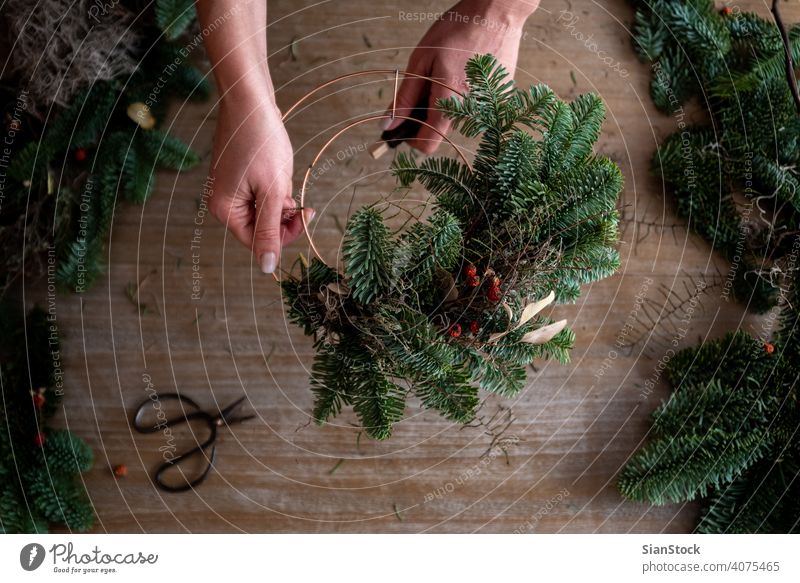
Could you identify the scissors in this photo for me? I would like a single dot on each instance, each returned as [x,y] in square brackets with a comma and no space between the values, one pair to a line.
[226,417]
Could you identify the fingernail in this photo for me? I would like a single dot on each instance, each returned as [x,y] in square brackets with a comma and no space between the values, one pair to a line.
[390,124]
[310,215]
[268,262]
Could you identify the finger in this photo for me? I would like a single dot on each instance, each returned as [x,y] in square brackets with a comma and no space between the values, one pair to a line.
[267,232]
[409,94]
[428,138]
[236,214]
[290,209]
[292,229]
[240,221]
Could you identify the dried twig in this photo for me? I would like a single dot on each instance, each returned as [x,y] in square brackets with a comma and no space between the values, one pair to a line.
[658,321]
[336,467]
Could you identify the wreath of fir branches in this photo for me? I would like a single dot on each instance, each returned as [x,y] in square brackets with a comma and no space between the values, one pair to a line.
[451,304]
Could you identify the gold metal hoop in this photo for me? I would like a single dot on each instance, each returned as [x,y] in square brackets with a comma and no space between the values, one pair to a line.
[391,115]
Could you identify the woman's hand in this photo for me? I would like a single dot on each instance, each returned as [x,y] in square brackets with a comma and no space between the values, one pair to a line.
[470,27]
[251,178]
[251,170]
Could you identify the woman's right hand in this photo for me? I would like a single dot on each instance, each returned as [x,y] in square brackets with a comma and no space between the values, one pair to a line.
[251,177]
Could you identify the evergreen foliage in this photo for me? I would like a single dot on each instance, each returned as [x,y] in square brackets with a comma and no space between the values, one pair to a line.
[728,434]
[442,308]
[65,177]
[735,177]
[39,484]
[67,170]
[174,16]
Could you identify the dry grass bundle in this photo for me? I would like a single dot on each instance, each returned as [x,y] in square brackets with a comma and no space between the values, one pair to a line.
[61,46]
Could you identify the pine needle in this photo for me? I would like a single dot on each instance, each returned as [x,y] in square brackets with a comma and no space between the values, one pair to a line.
[397,511]
[336,467]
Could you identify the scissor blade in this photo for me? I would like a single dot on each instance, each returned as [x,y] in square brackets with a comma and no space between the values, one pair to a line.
[240,419]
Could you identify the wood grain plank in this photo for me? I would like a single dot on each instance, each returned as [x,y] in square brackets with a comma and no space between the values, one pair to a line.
[574,425]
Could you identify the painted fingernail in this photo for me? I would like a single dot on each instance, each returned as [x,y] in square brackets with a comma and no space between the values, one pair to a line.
[268,262]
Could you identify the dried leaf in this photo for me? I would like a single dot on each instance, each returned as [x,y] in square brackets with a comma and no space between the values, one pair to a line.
[529,312]
[338,288]
[545,333]
[532,309]
[447,284]
[140,113]
[452,295]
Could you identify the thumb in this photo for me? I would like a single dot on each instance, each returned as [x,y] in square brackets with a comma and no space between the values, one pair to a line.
[409,94]
[429,136]
[267,232]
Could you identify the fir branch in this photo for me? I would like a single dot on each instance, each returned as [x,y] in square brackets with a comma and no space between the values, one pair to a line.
[367,255]
[174,16]
[685,467]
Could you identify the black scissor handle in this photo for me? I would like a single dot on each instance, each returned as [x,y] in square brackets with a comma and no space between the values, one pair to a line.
[226,416]
[141,427]
[175,463]
[409,128]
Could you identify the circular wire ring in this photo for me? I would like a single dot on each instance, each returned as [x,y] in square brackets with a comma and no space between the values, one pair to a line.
[391,115]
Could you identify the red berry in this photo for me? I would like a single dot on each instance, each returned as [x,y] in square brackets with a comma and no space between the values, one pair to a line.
[455,330]
[474,327]
[470,270]
[727,11]
[770,348]
[121,470]
[80,154]
[473,281]
[38,400]
[494,294]
[39,439]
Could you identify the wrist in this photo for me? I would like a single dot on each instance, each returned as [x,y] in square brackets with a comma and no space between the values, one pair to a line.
[515,11]
[252,87]
[244,100]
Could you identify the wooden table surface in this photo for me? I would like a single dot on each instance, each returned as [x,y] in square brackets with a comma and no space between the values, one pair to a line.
[566,436]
